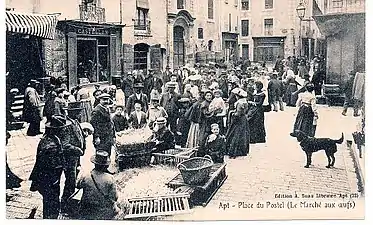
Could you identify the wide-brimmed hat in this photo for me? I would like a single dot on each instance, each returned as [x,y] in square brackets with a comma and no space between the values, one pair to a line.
[101,158]
[242,93]
[195,77]
[138,85]
[58,121]
[236,90]
[87,126]
[161,120]
[171,84]
[184,100]
[59,90]
[103,96]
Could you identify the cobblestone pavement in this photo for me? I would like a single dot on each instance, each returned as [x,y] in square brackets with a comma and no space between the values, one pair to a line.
[277,168]
[274,167]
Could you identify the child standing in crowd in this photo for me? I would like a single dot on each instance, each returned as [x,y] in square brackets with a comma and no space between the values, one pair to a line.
[155,111]
[119,120]
[214,145]
[137,118]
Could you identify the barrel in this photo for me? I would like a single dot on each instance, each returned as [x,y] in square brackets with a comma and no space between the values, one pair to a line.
[210,56]
[201,57]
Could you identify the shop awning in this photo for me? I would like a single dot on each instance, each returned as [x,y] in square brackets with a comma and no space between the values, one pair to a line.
[144,4]
[39,25]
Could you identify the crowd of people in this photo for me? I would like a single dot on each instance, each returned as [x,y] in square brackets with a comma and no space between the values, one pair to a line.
[218,109]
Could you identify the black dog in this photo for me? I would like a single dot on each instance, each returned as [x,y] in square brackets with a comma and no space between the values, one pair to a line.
[310,145]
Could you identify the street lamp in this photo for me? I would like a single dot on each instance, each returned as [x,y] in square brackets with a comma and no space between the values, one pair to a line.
[301,11]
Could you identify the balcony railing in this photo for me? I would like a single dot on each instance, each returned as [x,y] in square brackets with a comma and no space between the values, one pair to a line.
[344,6]
[92,13]
[142,27]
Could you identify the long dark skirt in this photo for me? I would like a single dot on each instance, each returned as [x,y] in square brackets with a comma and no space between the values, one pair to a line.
[238,136]
[257,128]
[289,98]
[304,120]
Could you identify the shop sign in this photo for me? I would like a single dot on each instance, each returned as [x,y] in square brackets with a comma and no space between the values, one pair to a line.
[92,31]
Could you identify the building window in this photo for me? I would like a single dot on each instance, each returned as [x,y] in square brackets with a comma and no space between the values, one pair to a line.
[210,12]
[180,4]
[269,4]
[141,19]
[245,4]
[141,56]
[209,45]
[337,3]
[200,33]
[268,27]
[245,28]
[245,51]
[230,22]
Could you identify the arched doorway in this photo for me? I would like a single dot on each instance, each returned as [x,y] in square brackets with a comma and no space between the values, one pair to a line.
[179,46]
[141,56]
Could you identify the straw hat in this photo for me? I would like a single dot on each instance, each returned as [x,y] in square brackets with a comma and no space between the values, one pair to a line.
[161,120]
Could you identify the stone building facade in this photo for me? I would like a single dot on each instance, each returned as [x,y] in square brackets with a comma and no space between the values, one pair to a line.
[271,28]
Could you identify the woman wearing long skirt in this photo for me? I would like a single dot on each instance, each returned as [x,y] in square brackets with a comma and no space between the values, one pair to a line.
[238,134]
[307,113]
[292,86]
[84,98]
[194,116]
[255,116]
[207,117]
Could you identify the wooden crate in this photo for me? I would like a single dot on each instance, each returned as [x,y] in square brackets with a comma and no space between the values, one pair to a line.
[173,157]
[146,207]
[201,194]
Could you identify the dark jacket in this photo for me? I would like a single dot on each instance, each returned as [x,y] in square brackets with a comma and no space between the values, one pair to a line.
[134,123]
[216,149]
[76,141]
[170,103]
[275,88]
[127,86]
[152,82]
[166,139]
[102,124]
[120,123]
[130,106]
[50,156]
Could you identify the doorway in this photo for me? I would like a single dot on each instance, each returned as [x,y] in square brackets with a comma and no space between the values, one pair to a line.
[179,47]
[93,59]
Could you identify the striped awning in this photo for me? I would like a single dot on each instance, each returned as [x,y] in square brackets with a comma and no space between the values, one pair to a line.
[39,25]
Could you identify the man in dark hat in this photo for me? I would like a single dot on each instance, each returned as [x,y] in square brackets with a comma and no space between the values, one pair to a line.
[164,139]
[104,133]
[275,87]
[127,85]
[31,109]
[50,162]
[169,101]
[152,82]
[100,195]
[138,96]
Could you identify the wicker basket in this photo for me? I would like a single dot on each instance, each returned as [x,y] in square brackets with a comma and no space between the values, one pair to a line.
[195,171]
[173,157]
